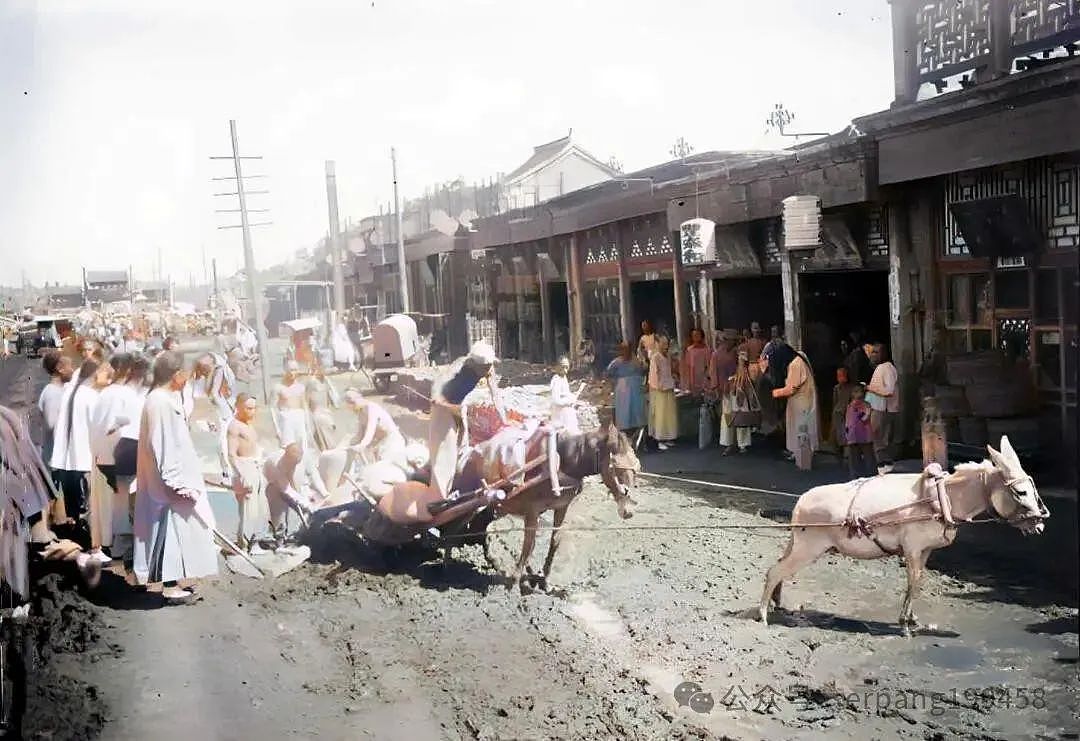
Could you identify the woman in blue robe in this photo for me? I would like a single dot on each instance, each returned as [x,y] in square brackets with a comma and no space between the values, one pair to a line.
[629,376]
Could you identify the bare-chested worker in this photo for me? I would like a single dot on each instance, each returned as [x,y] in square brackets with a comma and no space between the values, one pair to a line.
[248,484]
[290,402]
[447,428]
[377,434]
[291,485]
[321,397]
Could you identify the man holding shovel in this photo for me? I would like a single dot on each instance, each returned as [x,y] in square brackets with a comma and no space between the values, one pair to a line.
[173,520]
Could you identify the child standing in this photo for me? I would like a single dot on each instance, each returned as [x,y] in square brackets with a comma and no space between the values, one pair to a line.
[841,398]
[858,438]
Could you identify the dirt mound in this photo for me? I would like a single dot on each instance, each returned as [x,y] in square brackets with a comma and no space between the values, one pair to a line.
[64,629]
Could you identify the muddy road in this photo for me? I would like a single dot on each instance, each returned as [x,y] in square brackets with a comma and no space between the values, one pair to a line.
[354,646]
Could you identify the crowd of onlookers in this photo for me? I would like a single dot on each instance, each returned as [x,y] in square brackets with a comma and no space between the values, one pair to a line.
[98,444]
[753,385]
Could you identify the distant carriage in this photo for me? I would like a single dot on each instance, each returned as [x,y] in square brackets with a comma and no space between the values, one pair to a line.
[301,333]
[395,346]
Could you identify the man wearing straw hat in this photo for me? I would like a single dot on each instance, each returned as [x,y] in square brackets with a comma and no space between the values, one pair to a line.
[447,426]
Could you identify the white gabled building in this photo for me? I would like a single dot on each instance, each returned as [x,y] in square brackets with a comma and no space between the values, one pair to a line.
[554,169]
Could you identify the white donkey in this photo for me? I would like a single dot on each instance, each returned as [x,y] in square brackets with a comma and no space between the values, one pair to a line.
[906,515]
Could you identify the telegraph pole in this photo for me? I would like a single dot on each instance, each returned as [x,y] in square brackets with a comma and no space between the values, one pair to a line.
[402,274]
[249,255]
[335,241]
[215,298]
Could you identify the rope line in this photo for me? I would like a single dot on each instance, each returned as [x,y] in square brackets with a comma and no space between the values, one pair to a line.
[716,526]
[748,489]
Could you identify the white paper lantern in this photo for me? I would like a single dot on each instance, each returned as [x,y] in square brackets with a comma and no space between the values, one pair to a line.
[802,222]
[698,240]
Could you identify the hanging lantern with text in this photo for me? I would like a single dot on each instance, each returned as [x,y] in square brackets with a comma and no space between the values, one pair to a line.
[698,241]
[802,222]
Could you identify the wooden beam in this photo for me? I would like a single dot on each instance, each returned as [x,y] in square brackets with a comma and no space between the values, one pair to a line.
[682,320]
[626,307]
[575,295]
[1008,134]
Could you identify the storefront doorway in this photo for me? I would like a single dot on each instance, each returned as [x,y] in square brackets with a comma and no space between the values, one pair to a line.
[835,305]
[739,301]
[653,300]
[559,309]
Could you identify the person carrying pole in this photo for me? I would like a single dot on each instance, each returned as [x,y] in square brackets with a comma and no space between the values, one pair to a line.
[447,425]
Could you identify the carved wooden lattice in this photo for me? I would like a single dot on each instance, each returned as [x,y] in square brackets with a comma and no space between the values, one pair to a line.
[951,35]
[1050,188]
[877,232]
[1065,219]
[602,323]
[772,244]
[650,248]
[1036,22]
[600,253]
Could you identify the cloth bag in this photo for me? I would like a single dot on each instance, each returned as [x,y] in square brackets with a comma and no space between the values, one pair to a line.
[748,417]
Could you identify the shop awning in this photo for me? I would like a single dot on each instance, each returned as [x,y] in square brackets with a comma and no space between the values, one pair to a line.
[735,255]
[997,227]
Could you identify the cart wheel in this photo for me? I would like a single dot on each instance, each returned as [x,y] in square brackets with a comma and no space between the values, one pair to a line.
[382,383]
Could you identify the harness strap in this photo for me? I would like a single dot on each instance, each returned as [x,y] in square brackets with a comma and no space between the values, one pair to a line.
[940,505]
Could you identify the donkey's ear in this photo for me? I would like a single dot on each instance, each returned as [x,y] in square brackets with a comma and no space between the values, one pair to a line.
[612,432]
[1007,451]
[997,458]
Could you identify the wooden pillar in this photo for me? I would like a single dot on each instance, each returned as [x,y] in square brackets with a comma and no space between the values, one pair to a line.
[707,309]
[1000,40]
[905,68]
[789,280]
[911,300]
[626,306]
[546,352]
[457,333]
[575,294]
[520,277]
[547,330]
[682,321]
[935,447]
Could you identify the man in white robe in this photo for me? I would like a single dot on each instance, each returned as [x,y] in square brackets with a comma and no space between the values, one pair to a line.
[173,519]
[563,400]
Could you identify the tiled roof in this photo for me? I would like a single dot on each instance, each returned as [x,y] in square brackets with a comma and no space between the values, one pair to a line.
[106,276]
[668,172]
[540,154]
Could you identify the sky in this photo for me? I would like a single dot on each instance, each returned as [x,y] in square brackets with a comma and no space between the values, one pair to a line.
[111,109]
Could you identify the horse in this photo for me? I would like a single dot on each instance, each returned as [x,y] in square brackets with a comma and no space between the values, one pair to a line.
[405,511]
[605,452]
[908,515]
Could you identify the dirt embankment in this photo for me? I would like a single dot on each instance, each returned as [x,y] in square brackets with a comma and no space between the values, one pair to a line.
[364,644]
[65,632]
